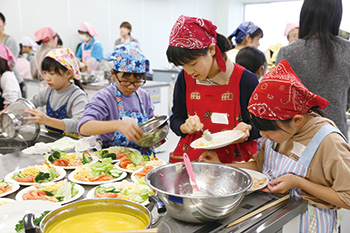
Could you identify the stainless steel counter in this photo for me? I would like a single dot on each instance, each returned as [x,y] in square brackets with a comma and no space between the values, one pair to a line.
[271,220]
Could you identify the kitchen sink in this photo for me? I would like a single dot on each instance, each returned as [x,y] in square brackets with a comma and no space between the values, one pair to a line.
[8,145]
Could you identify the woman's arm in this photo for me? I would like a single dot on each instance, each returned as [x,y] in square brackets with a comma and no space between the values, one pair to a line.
[179,108]
[247,85]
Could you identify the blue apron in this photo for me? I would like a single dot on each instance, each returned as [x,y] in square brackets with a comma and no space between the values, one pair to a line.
[118,138]
[60,113]
[275,165]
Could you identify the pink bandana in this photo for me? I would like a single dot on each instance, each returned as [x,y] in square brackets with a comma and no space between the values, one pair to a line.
[196,33]
[280,95]
[87,27]
[6,54]
[44,34]
[66,58]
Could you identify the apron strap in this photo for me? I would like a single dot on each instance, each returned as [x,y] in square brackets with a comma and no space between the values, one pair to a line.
[315,142]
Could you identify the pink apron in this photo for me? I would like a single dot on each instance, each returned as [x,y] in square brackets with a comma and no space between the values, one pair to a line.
[86,54]
[275,165]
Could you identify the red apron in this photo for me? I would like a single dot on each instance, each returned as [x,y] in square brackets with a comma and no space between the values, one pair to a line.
[204,100]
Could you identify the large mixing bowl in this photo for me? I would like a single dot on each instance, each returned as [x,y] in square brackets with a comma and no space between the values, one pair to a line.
[155,131]
[223,187]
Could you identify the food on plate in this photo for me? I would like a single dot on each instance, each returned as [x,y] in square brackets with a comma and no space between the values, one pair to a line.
[135,161]
[138,192]
[114,152]
[5,186]
[38,173]
[55,192]
[105,154]
[257,183]
[63,144]
[63,159]
[98,221]
[20,227]
[96,172]
[143,172]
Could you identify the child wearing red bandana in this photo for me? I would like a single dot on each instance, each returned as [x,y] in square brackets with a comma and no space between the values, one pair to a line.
[304,153]
[209,85]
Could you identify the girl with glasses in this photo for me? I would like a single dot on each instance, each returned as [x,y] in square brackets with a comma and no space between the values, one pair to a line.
[115,112]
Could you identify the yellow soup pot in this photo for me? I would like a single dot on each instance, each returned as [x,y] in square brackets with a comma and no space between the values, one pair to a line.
[98,215]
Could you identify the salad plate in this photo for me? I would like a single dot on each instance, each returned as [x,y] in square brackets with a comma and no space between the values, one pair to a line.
[13,212]
[118,151]
[7,188]
[133,191]
[260,180]
[136,161]
[137,175]
[30,170]
[70,161]
[220,139]
[97,173]
[58,191]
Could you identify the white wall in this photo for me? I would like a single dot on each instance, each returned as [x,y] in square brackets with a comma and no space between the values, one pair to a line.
[152,20]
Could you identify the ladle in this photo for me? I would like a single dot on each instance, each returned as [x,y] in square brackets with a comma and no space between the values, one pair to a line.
[190,173]
[207,135]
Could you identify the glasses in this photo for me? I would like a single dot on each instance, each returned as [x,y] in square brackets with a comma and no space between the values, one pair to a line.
[128,83]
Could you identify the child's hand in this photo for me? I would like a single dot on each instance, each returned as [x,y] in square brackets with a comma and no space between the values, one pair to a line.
[209,156]
[37,117]
[191,125]
[131,131]
[244,127]
[282,184]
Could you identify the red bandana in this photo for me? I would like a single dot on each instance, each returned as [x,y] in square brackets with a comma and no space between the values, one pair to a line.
[196,33]
[280,95]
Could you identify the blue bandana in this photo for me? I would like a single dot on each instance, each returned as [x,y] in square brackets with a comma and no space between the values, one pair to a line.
[243,30]
[128,58]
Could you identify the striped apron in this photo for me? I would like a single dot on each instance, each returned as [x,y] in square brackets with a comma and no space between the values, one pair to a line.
[275,165]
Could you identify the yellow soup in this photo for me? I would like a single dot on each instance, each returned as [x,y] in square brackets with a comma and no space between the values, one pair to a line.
[98,222]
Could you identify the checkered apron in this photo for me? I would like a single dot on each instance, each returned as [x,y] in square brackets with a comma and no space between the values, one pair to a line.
[275,165]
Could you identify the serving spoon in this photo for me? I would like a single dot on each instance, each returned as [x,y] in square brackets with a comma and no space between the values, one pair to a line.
[207,135]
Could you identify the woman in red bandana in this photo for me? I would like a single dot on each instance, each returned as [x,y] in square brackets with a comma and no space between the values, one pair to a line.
[304,153]
[210,92]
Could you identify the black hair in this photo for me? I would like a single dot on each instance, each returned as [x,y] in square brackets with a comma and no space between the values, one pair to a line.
[321,18]
[271,125]
[257,32]
[181,56]
[136,75]
[50,64]
[251,58]
[3,66]
[59,40]
[20,49]
[2,17]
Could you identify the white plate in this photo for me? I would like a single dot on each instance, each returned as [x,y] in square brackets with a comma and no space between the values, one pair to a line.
[4,201]
[257,175]
[11,213]
[8,177]
[71,178]
[94,160]
[81,190]
[131,171]
[219,140]
[14,186]
[91,193]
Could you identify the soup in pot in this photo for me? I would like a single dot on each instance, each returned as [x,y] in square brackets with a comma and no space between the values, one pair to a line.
[99,221]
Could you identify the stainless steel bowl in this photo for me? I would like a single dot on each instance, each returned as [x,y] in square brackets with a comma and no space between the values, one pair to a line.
[223,187]
[155,131]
